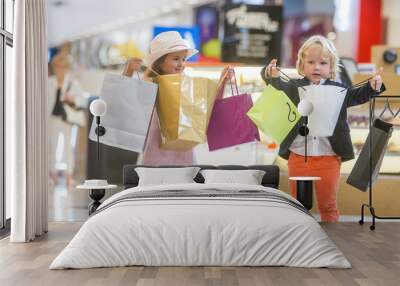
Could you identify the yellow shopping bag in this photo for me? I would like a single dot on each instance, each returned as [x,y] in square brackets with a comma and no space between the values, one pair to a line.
[184,106]
[274,114]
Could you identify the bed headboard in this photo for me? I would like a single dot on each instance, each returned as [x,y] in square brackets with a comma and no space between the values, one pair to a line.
[270,179]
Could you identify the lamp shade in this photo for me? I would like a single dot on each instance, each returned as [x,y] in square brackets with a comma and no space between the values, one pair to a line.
[98,107]
[305,107]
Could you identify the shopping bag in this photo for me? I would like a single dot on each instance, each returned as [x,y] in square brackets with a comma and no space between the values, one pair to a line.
[130,103]
[327,101]
[360,174]
[274,114]
[229,125]
[184,106]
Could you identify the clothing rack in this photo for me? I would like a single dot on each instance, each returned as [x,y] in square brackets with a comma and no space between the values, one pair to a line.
[371,120]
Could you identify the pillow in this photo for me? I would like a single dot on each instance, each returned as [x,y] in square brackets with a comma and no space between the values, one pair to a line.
[162,176]
[248,177]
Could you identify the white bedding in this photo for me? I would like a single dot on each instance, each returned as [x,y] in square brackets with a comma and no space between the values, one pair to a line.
[183,231]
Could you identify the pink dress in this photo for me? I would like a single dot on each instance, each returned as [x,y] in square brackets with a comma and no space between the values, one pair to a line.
[154,155]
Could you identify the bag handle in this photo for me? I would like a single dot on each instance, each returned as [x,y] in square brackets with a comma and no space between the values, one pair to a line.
[150,68]
[137,71]
[138,75]
[236,86]
[221,86]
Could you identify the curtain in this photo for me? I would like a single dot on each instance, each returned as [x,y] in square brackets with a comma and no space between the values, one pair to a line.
[26,117]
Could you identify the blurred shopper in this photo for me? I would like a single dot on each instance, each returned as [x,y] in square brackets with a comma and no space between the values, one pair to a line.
[168,55]
[317,62]
[66,102]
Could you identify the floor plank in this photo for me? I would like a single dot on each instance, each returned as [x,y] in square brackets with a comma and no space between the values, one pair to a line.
[374,255]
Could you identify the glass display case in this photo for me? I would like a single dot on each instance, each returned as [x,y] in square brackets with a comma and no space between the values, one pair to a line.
[266,151]
[358,121]
[249,81]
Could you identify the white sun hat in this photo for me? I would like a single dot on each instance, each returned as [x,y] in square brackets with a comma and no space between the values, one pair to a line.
[166,43]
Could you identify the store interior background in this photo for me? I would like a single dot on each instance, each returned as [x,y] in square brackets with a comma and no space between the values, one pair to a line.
[103,34]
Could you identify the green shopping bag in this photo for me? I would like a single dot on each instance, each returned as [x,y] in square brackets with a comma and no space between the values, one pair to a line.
[274,114]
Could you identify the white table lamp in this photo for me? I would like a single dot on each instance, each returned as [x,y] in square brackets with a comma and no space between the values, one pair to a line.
[305,108]
[98,108]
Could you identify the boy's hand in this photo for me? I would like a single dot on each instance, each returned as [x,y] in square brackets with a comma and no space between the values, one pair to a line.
[376,81]
[271,70]
[132,66]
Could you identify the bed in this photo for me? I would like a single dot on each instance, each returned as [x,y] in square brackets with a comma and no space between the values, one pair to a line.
[201,224]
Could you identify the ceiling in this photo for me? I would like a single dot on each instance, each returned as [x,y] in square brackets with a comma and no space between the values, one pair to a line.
[73,19]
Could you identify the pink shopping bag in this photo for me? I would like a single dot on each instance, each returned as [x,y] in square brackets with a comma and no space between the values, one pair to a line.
[229,125]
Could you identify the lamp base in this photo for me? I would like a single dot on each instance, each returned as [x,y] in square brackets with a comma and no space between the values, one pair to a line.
[303,130]
[96,195]
[100,130]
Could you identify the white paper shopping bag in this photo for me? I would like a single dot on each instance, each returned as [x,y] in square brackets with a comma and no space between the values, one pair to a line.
[327,101]
[130,104]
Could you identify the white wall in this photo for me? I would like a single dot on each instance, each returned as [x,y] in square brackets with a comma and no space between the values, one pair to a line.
[391,11]
[77,18]
[346,25]
[141,32]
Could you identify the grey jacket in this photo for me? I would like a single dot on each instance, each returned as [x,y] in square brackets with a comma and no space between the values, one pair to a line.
[340,140]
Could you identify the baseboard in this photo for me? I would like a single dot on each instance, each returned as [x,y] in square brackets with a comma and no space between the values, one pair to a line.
[5,231]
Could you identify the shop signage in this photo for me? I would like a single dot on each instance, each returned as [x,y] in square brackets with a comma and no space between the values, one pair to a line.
[207,18]
[252,33]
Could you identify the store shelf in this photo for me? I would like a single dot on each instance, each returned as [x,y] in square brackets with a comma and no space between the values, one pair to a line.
[249,81]
[213,64]
[395,127]
[390,164]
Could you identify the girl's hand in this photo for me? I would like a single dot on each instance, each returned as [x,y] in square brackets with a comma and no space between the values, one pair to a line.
[271,70]
[132,65]
[376,81]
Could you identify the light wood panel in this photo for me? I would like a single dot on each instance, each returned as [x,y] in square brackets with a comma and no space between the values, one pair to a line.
[375,257]
[391,80]
[386,196]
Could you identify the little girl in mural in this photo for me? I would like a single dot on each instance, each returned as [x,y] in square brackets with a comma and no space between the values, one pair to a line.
[168,55]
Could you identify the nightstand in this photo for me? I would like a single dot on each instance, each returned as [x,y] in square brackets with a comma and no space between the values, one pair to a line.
[96,193]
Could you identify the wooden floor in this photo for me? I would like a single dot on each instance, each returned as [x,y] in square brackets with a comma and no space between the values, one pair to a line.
[374,255]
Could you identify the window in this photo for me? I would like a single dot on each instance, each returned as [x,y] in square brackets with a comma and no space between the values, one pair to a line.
[9,15]
[7,89]
[6,44]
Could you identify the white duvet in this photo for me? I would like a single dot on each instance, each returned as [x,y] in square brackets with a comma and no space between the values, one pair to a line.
[200,231]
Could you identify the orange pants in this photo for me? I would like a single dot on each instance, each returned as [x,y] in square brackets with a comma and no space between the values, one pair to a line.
[326,167]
